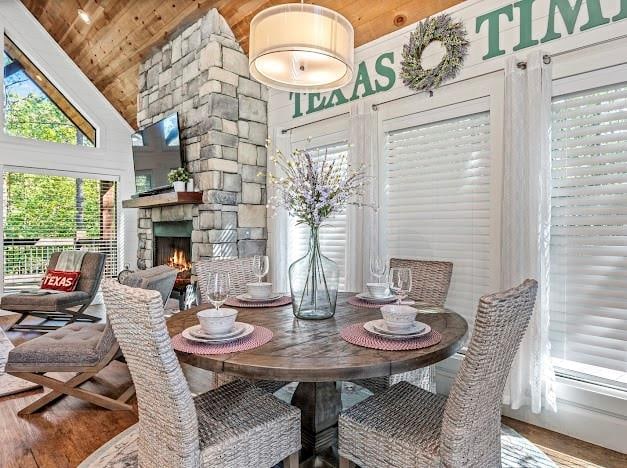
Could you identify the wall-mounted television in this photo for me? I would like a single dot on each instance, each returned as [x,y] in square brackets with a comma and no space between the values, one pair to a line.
[156,151]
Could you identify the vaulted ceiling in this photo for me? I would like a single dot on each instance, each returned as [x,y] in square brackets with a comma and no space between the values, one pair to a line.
[122,32]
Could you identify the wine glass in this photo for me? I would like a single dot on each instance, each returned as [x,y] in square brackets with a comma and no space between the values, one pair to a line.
[378,267]
[261,264]
[400,282]
[218,288]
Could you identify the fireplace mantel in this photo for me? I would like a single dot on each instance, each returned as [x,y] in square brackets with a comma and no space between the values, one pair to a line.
[164,199]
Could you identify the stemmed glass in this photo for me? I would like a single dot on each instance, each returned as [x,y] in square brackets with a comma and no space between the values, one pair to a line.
[218,288]
[261,265]
[378,267]
[400,282]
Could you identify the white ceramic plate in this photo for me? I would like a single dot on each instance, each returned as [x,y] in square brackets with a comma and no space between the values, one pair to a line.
[369,327]
[382,327]
[246,329]
[376,300]
[247,298]
[198,332]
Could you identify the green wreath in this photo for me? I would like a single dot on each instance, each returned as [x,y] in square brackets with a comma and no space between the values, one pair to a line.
[452,35]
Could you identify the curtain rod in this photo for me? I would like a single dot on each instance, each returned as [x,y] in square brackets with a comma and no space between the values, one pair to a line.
[286,130]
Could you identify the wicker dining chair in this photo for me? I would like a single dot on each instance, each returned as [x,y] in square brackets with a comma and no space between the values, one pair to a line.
[235,425]
[430,281]
[410,427]
[241,272]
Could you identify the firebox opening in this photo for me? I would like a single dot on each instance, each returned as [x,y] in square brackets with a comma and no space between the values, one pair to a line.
[173,247]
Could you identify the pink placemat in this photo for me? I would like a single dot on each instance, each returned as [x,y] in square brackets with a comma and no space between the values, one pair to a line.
[259,337]
[357,335]
[354,300]
[281,301]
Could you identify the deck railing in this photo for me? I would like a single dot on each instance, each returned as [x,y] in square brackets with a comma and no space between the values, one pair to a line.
[26,260]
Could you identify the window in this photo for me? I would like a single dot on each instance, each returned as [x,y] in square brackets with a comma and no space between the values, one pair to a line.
[589,232]
[333,231]
[35,108]
[437,198]
[47,213]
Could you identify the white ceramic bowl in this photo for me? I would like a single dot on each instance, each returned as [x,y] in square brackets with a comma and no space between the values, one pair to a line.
[398,317]
[378,289]
[217,321]
[259,290]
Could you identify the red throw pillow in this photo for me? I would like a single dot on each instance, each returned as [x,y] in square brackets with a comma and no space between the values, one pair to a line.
[65,281]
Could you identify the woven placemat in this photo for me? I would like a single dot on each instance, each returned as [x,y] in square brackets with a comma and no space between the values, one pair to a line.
[235,302]
[259,337]
[357,302]
[357,335]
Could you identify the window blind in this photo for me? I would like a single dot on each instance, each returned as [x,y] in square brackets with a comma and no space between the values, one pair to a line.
[438,201]
[43,214]
[588,291]
[333,231]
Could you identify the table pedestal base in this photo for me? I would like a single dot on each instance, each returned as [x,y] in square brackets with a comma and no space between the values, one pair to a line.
[320,404]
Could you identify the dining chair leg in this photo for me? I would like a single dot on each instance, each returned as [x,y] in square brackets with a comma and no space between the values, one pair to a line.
[346,463]
[291,461]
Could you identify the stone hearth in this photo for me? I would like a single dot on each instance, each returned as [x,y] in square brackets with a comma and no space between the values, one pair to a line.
[202,73]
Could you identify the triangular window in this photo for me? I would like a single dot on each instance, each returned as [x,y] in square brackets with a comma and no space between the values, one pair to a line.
[35,108]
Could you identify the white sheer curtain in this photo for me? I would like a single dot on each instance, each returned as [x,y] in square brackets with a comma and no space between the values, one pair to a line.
[527,222]
[362,232]
[278,220]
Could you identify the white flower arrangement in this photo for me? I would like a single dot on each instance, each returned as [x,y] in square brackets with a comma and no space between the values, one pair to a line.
[313,190]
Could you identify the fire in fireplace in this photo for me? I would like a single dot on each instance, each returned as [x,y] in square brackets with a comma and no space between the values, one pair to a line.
[179,260]
[172,247]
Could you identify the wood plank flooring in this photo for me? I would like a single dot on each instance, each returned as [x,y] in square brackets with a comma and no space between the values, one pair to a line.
[66,432]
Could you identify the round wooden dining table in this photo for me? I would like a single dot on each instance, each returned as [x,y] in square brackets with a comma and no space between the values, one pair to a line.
[312,353]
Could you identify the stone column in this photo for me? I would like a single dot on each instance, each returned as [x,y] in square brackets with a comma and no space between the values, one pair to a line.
[202,73]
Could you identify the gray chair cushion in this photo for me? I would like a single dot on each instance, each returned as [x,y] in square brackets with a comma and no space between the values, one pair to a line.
[75,345]
[44,303]
[160,278]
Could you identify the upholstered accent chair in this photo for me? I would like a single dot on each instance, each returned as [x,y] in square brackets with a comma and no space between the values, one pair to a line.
[235,425]
[82,348]
[430,281]
[160,278]
[410,427]
[68,306]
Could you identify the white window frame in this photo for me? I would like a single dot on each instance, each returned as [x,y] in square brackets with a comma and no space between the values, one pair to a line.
[476,95]
[570,84]
[4,169]
[51,76]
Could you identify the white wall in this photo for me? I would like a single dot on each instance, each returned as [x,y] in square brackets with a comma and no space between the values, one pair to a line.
[585,411]
[112,156]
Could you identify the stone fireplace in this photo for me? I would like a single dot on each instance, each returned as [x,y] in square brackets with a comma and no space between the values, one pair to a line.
[202,73]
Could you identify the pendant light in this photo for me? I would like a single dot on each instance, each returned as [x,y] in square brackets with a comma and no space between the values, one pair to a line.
[301,47]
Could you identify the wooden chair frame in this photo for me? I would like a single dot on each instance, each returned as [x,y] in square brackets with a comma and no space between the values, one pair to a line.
[71,387]
[65,315]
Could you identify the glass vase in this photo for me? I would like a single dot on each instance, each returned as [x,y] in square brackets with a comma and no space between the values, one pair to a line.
[314,281]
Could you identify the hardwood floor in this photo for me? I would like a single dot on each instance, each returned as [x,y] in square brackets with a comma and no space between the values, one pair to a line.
[66,432]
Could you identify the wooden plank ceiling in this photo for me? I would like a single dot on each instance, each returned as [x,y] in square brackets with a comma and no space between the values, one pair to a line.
[122,32]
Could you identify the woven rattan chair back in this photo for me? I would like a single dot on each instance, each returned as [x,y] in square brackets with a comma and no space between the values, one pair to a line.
[472,416]
[240,270]
[168,425]
[430,279]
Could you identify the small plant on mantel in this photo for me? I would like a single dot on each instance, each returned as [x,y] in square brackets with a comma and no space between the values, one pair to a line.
[178,178]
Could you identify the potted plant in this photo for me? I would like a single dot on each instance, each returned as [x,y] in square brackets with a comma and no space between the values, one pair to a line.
[178,178]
